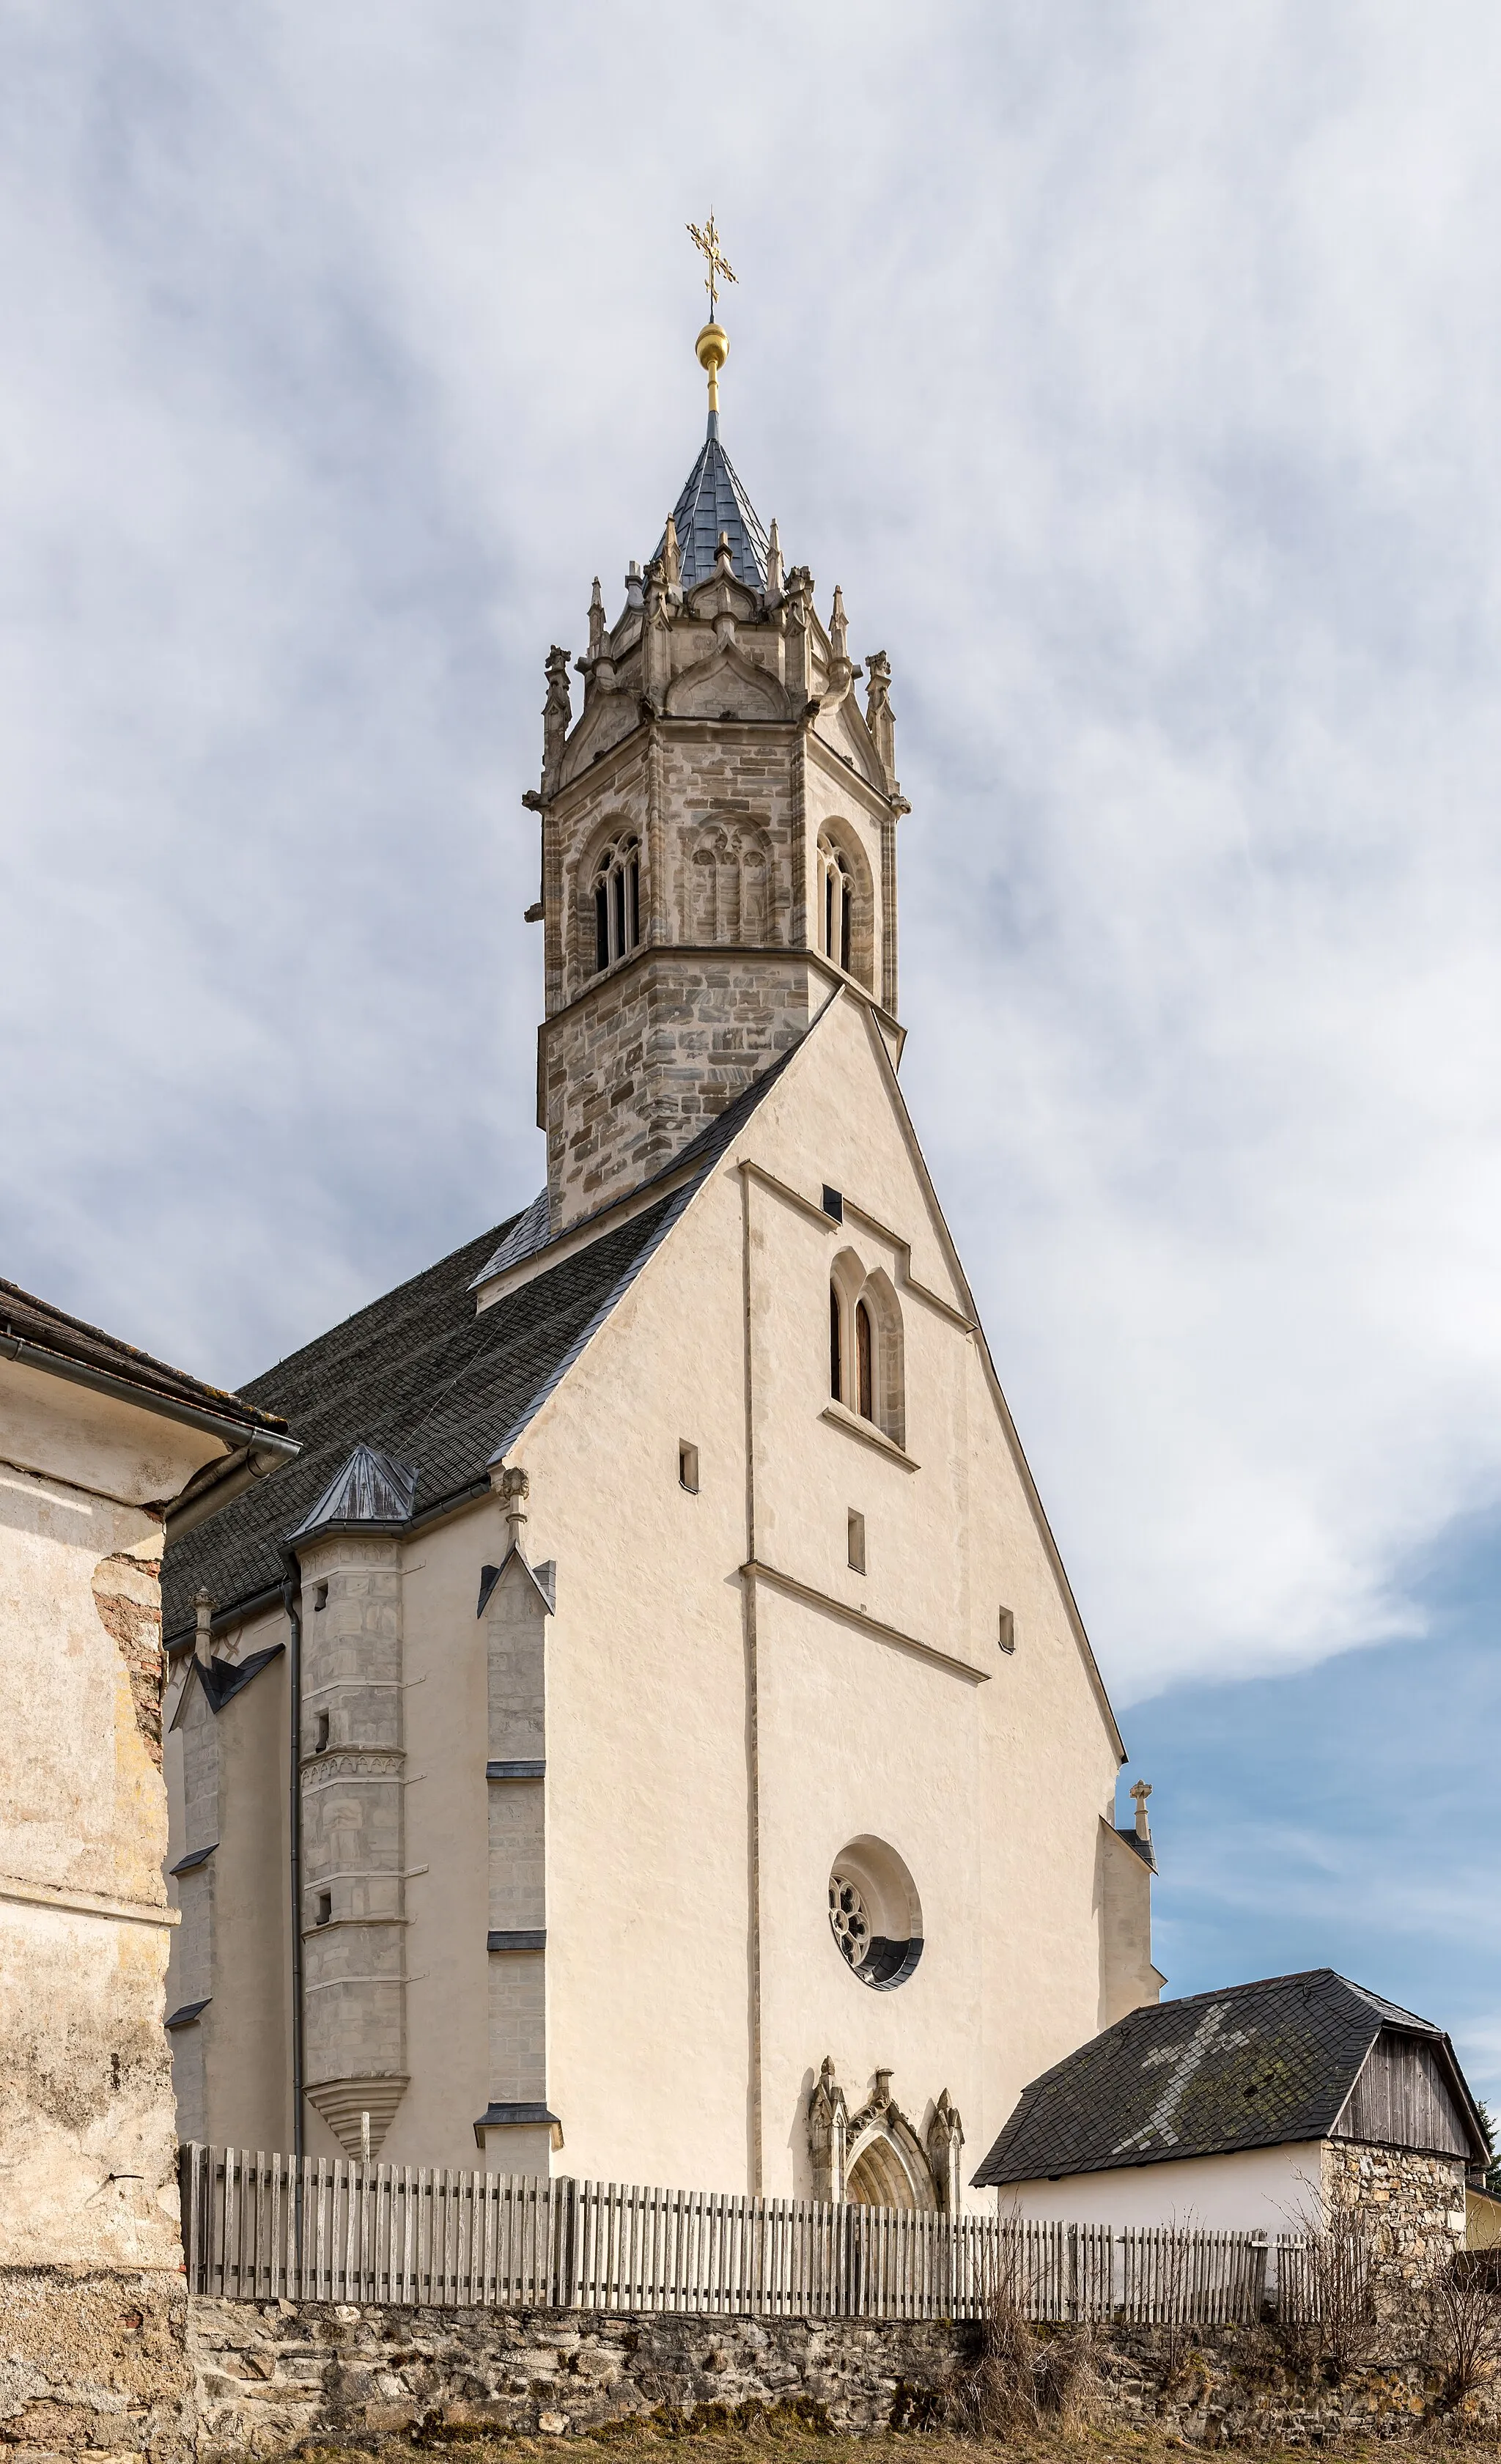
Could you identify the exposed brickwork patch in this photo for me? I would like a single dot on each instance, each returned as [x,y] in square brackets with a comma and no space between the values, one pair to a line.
[127,1595]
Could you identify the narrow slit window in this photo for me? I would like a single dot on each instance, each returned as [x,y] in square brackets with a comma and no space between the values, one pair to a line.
[600,925]
[844,922]
[856,1540]
[865,1360]
[320,1734]
[326,1908]
[320,1598]
[1007,1634]
[688,1467]
[836,1365]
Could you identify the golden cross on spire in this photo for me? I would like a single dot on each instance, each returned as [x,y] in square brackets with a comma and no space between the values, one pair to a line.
[719,266]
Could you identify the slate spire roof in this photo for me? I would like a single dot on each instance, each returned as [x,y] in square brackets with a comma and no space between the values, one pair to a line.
[370,1487]
[715,500]
[1262,2065]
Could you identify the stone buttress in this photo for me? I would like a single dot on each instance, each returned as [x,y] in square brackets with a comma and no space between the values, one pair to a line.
[517,2130]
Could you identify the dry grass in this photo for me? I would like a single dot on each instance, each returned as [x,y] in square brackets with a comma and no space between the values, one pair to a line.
[774,2445]
[781,2443]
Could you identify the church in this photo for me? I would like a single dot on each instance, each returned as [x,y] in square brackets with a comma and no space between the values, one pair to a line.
[648,1733]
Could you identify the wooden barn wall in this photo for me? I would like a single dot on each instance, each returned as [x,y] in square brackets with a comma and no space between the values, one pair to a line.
[1401,2100]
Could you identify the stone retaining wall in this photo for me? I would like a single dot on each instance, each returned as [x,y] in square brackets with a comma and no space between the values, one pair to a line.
[115,2370]
[273,2373]
[268,2375]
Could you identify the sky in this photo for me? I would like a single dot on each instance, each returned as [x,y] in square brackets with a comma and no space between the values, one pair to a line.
[1135,369]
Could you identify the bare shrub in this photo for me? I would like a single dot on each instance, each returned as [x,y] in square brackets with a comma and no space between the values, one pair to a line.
[1326,2309]
[1461,2310]
[1014,2379]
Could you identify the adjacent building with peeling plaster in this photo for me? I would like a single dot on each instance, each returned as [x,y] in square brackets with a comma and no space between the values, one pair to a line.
[98,1445]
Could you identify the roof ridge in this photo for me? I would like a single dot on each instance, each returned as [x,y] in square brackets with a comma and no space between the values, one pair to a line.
[393,1292]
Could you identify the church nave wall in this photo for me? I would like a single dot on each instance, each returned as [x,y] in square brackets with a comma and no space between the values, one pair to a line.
[647,1825]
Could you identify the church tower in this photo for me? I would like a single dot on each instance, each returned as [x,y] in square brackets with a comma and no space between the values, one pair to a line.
[719,830]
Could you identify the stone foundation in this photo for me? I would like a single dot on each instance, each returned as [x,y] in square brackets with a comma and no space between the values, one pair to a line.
[96,2364]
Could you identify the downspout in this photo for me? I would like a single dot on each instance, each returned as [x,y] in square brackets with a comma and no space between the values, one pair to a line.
[292,1601]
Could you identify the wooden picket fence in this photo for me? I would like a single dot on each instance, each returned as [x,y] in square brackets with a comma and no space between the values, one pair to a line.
[260,2228]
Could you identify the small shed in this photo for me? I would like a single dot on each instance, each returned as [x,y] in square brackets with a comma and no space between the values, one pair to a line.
[1250,2109]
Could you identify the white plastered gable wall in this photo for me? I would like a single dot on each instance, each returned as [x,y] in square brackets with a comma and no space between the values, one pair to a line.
[881,1704]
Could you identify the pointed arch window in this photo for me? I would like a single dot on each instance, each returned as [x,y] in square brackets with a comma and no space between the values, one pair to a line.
[617,902]
[866,1347]
[838,902]
[864,1361]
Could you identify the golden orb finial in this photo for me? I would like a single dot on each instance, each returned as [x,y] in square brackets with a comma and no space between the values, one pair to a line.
[713,345]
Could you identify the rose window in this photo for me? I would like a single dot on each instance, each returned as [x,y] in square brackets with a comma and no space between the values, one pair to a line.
[874,1913]
[847,1915]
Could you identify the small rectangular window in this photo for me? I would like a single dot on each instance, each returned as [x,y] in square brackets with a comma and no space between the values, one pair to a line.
[321,1736]
[856,1540]
[688,1467]
[320,1598]
[1006,1637]
[833,1204]
[326,1908]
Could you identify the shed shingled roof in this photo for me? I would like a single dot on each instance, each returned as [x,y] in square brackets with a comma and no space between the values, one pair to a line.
[420,1376]
[39,1323]
[1259,2065]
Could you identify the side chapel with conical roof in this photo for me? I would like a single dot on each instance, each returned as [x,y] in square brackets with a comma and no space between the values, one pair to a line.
[648,1734]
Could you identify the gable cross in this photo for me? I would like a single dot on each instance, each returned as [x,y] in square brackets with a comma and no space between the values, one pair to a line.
[721,268]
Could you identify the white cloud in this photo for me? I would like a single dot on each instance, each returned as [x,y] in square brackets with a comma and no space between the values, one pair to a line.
[1135,370]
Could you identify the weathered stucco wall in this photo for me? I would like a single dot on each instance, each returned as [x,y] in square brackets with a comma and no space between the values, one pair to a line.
[87,2149]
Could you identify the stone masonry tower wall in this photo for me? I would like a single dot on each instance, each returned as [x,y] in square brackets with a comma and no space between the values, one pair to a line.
[718,853]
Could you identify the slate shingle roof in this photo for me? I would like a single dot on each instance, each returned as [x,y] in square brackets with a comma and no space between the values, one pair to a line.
[1254,2066]
[714,500]
[421,1378]
[34,1322]
[418,1374]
